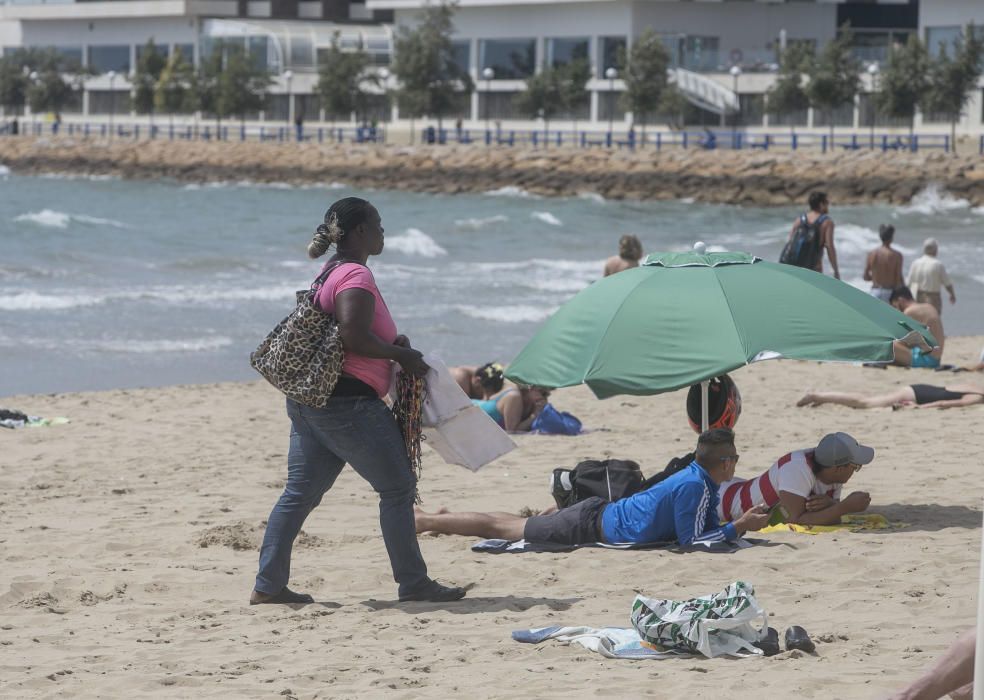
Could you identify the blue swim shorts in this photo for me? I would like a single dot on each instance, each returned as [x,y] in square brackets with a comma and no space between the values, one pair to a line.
[921,359]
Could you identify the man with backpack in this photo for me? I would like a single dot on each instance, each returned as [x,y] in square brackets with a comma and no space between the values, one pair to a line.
[812,233]
[682,507]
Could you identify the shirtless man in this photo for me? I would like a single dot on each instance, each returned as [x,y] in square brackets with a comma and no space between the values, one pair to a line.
[820,208]
[927,315]
[884,265]
[629,254]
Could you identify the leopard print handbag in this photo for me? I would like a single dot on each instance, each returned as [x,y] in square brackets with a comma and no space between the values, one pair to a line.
[302,356]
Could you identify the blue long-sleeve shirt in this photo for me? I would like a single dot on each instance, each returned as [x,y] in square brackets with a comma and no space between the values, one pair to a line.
[682,508]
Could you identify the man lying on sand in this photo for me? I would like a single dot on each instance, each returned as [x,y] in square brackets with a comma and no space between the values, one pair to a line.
[927,315]
[918,395]
[681,508]
[806,482]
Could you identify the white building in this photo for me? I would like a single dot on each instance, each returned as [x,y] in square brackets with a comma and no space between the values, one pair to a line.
[707,40]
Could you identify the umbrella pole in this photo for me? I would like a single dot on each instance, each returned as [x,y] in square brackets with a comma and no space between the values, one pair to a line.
[979,650]
[703,405]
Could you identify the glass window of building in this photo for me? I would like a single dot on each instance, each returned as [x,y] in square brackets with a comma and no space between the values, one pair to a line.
[160,49]
[511,59]
[560,52]
[104,58]
[610,51]
[301,52]
[187,52]
[938,38]
[700,53]
[461,53]
[72,55]
[379,50]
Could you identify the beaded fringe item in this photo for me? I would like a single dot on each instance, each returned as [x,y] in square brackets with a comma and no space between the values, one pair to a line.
[407,409]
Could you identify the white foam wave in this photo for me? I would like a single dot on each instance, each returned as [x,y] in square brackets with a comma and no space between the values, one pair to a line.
[979,278]
[547,218]
[59,219]
[563,284]
[854,240]
[33,301]
[46,217]
[156,346]
[687,200]
[592,197]
[511,191]
[519,313]
[587,267]
[477,223]
[415,242]
[294,263]
[978,210]
[933,201]
[4,171]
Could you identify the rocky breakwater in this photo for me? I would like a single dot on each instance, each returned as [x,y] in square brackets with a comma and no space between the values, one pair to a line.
[732,177]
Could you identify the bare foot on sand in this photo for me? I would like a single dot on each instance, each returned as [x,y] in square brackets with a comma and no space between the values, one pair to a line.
[808,400]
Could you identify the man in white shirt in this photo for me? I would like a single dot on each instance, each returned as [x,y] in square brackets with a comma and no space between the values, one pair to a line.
[928,275]
[806,482]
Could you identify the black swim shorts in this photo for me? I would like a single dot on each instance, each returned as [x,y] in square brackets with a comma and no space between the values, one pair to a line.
[576,524]
[927,393]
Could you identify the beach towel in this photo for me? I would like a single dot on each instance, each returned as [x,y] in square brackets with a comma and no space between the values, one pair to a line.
[16,419]
[521,546]
[851,523]
[726,623]
[610,642]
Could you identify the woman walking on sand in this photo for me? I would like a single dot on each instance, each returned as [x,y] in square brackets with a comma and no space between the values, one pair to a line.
[356,426]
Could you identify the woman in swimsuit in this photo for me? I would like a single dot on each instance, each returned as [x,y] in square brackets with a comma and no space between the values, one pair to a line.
[921,395]
[515,409]
[480,382]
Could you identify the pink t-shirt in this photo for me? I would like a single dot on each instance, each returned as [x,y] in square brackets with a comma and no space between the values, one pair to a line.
[373,371]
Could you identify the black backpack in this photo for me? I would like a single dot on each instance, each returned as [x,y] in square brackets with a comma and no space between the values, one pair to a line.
[804,247]
[610,479]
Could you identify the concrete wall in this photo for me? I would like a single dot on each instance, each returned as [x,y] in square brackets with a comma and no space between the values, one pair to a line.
[164,30]
[943,13]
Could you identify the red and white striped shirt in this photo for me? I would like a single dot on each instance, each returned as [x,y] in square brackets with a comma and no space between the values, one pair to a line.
[792,472]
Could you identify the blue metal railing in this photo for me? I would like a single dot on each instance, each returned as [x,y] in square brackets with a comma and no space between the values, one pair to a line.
[705,139]
[203,131]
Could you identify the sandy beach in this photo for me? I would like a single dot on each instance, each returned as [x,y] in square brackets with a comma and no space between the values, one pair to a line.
[129,540]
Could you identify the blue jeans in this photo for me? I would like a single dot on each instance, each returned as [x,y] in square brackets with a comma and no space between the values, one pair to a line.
[362,431]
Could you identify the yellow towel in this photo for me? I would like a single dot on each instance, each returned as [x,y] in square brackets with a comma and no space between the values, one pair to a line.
[853,523]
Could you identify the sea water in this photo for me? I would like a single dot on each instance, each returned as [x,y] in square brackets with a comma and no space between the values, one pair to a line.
[108,283]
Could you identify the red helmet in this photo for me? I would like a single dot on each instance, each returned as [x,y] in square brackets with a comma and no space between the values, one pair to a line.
[723,404]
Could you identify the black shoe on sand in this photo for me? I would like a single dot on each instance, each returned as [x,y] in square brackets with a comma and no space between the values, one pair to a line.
[797,638]
[285,597]
[770,643]
[434,592]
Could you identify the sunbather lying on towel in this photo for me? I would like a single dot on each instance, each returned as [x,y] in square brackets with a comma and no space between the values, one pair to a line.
[681,508]
[806,482]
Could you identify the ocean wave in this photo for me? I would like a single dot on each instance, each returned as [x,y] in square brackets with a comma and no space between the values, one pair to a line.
[77,176]
[933,200]
[519,313]
[572,266]
[592,197]
[511,191]
[979,278]
[157,346]
[59,219]
[547,218]
[415,242]
[477,223]
[33,301]
[851,239]
[560,285]
[4,171]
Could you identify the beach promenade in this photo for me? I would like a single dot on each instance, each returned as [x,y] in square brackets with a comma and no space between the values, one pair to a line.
[129,542]
[774,177]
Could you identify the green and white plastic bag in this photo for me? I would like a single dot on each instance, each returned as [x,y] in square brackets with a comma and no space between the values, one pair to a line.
[724,623]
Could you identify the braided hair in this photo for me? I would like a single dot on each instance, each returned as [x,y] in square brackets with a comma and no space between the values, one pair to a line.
[340,219]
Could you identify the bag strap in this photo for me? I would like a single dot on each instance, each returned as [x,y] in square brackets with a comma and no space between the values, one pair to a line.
[323,277]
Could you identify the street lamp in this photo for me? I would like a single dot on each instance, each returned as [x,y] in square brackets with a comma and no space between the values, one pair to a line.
[487,74]
[288,76]
[735,72]
[33,77]
[873,72]
[611,74]
[112,101]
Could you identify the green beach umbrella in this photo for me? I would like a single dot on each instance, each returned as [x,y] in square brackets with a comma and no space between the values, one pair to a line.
[683,318]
